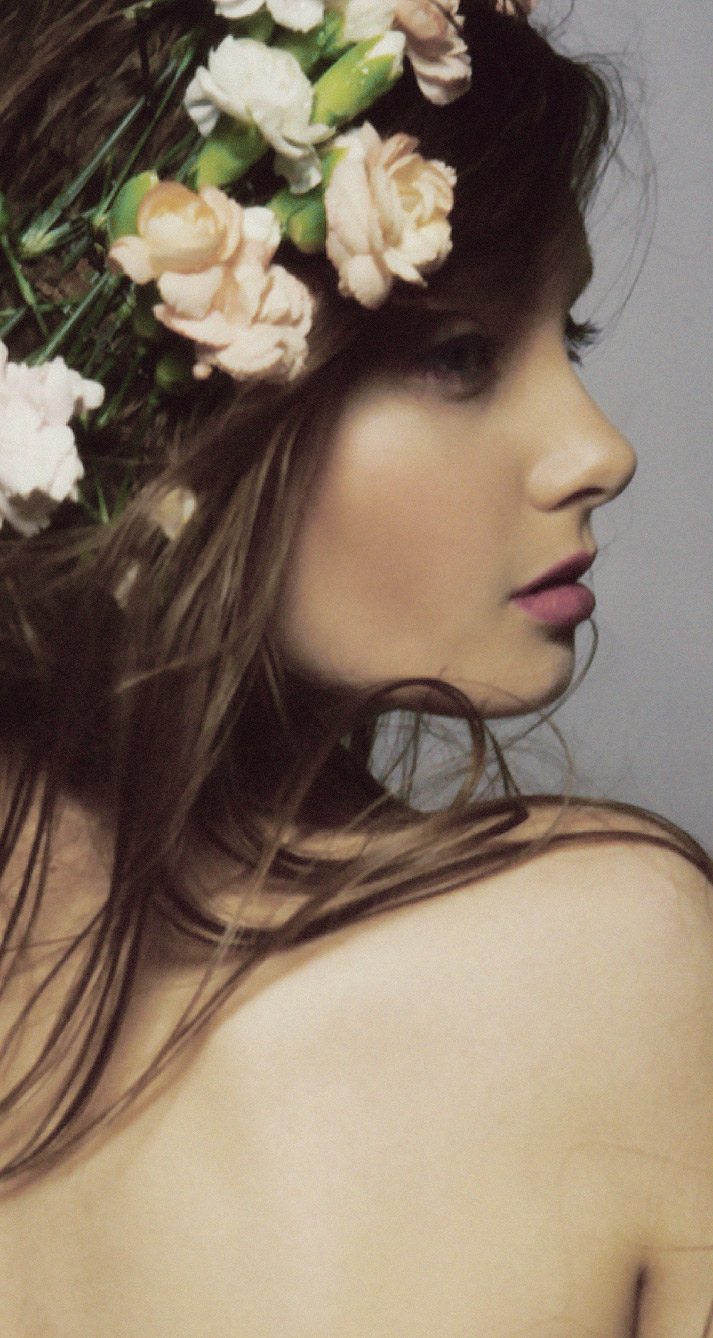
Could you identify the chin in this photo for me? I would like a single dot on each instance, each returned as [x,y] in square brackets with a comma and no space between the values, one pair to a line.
[526,693]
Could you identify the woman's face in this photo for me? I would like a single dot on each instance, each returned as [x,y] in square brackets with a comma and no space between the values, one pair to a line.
[446,488]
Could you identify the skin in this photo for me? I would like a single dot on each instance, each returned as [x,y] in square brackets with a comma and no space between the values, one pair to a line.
[399,1129]
[444,489]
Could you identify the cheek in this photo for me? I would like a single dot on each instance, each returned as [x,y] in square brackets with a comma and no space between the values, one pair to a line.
[385,505]
[396,540]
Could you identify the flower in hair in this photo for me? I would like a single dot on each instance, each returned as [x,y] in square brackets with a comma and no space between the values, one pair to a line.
[516,6]
[171,510]
[434,45]
[265,87]
[300,15]
[362,19]
[387,214]
[39,463]
[211,261]
[183,239]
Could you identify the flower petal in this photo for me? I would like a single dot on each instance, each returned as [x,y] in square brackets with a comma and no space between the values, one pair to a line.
[364,19]
[132,255]
[438,54]
[301,15]
[191,294]
[231,215]
[387,214]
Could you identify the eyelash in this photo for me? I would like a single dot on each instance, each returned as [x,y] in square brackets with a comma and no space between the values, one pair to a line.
[466,365]
[461,367]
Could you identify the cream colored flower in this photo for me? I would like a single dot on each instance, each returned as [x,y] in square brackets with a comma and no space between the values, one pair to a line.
[437,52]
[262,86]
[248,317]
[171,510]
[387,214]
[363,19]
[257,327]
[297,14]
[179,231]
[39,463]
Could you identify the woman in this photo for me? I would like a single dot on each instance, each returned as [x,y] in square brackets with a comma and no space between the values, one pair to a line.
[240,1096]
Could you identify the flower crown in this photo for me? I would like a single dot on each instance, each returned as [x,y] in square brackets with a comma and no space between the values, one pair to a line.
[288,78]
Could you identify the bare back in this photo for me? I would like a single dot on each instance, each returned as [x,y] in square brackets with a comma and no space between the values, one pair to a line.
[416,1128]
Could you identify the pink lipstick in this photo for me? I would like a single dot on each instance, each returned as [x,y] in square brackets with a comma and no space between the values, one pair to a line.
[555,598]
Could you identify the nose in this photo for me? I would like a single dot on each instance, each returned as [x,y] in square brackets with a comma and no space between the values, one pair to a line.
[580,455]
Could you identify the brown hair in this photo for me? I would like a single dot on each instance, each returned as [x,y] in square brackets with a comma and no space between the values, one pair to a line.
[169,706]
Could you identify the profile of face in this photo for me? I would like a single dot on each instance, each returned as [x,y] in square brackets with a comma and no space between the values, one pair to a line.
[446,488]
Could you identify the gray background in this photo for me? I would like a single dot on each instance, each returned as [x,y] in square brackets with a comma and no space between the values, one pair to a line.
[640,726]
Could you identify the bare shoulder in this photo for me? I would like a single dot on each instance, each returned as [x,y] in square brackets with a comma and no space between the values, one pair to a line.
[546,1032]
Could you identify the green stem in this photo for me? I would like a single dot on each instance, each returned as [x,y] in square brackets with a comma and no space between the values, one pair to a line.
[125,172]
[12,321]
[143,8]
[38,237]
[23,284]
[34,238]
[109,337]
[111,409]
[65,329]
[95,315]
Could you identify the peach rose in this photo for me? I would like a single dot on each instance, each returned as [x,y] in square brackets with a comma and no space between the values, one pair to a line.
[437,52]
[387,214]
[210,259]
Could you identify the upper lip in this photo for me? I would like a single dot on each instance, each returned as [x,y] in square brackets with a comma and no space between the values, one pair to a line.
[563,574]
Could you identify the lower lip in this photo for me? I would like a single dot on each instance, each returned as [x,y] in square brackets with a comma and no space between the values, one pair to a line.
[559,605]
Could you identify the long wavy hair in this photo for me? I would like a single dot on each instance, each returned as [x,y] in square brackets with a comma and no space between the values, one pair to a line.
[141,675]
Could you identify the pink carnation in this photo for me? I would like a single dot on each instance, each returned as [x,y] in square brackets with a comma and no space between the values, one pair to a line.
[507,7]
[387,214]
[437,52]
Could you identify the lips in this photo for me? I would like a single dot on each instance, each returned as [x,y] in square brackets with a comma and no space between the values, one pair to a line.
[564,573]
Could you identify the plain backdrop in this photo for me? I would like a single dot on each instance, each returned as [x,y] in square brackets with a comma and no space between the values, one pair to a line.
[640,726]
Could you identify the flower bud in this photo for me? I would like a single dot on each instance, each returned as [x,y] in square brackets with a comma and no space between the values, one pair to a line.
[307,228]
[326,42]
[228,152]
[362,75]
[144,322]
[122,215]
[173,373]
[283,205]
[259,27]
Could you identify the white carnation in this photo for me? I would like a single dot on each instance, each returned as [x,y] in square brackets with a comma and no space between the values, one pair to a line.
[364,19]
[39,463]
[300,15]
[262,86]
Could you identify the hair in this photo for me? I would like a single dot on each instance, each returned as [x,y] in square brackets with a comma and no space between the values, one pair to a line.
[142,675]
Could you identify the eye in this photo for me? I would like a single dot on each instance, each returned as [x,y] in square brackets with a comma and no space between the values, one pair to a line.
[579,338]
[457,368]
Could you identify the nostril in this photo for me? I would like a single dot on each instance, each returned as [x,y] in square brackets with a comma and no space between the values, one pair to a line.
[594,495]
